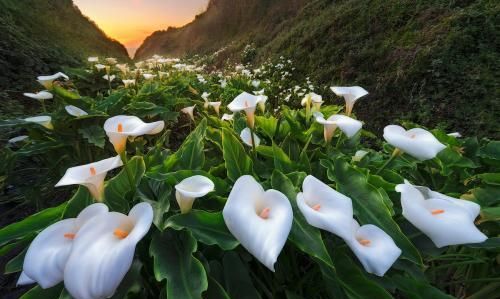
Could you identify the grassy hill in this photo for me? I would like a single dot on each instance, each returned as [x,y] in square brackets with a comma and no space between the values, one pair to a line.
[39,37]
[434,62]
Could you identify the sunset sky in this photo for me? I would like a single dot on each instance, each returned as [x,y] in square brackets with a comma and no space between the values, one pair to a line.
[131,21]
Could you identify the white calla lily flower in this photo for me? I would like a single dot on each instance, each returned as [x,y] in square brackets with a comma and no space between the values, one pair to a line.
[111,60]
[93,59]
[100,67]
[255,83]
[227,117]
[349,126]
[48,81]
[248,103]
[260,220]
[374,248]
[42,120]
[47,255]
[189,111]
[191,188]
[90,175]
[42,95]
[314,100]
[359,155]
[75,111]
[262,102]
[121,127]
[325,208]
[445,220]
[455,134]
[128,82]
[104,251]
[205,96]
[350,94]
[247,138]
[148,77]
[109,78]
[216,106]
[416,142]
[123,68]
[18,139]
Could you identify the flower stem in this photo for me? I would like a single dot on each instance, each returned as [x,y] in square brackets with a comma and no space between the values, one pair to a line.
[395,153]
[338,140]
[43,106]
[253,144]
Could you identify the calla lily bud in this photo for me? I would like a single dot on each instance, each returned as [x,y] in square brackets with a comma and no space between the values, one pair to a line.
[100,67]
[191,188]
[148,77]
[359,155]
[227,117]
[216,106]
[374,248]
[350,95]
[48,253]
[445,220]
[416,142]
[247,137]
[75,111]
[189,111]
[43,120]
[325,208]
[260,220]
[248,103]
[48,81]
[129,82]
[121,127]
[103,252]
[262,102]
[91,175]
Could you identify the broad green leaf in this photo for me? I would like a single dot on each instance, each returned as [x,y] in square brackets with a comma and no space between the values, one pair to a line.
[31,224]
[190,155]
[491,153]
[39,293]
[450,159]
[237,161]
[131,283]
[237,277]
[173,178]
[370,205]
[306,237]
[158,194]
[491,243]
[66,94]
[215,290]
[80,200]
[208,228]
[16,264]
[119,191]
[418,289]
[172,252]
[281,160]
[94,134]
[490,214]
[39,147]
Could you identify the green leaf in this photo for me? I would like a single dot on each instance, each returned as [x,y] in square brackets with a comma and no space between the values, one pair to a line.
[66,94]
[157,193]
[131,283]
[238,163]
[39,293]
[39,147]
[80,200]
[450,159]
[370,205]
[172,252]
[306,237]
[94,134]
[32,224]
[208,228]
[190,155]
[237,277]
[418,289]
[215,290]
[491,243]
[119,191]
[490,214]
[16,264]
[281,160]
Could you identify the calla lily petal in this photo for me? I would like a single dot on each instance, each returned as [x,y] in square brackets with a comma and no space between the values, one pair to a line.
[43,120]
[445,220]
[90,175]
[191,188]
[216,106]
[75,111]
[227,117]
[47,255]
[119,128]
[349,126]
[260,220]
[42,95]
[189,111]
[47,81]
[247,137]
[417,142]
[374,248]
[325,208]
[248,103]
[103,252]
[350,94]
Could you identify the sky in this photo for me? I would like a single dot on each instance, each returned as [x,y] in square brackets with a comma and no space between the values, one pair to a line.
[131,21]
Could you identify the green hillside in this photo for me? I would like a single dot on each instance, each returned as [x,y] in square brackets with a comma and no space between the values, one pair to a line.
[38,37]
[434,62]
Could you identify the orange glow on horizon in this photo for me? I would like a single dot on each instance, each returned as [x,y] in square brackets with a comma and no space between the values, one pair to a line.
[131,21]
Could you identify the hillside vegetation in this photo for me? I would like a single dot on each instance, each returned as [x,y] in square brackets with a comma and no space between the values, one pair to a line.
[433,62]
[37,37]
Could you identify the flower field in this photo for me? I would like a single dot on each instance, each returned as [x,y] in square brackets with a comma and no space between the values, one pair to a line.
[166,180]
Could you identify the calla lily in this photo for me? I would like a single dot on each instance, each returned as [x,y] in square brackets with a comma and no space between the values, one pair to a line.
[325,208]
[245,102]
[312,99]
[91,175]
[216,106]
[346,124]
[109,78]
[260,220]
[191,188]
[148,76]
[43,120]
[417,142]
[104,251]
[350,94]
[128,83]
[358,156]
[455,134]
[47,255]
[42,95]
[446,220]
[93,59]
[189,111]
[205,96]
[111,60]
[256,83]
[374,248]
[123,68]
[119,128]
[162,74]
[227,117]
[100,67]
[48,81]
[75,111]
[18,139]
[247,138]
[262,102]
